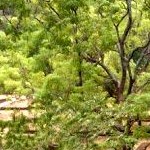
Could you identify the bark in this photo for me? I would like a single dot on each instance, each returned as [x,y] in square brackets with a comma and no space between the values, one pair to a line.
[124,64]
[131,81]
[132,77]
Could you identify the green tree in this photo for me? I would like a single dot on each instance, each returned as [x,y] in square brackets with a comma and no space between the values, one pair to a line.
[87,63]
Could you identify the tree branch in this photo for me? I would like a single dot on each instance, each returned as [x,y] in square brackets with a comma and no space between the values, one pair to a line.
[121,42]
[39,20]
[53,9]
[139,49]
[91,59]
[129,23]
[9,21]
[140,60]
[131,80]
[118,24]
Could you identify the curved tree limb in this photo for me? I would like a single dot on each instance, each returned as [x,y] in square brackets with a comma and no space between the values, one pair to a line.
[92,59]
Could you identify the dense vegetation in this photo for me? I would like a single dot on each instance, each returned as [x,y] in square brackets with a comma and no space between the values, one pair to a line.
[86,62]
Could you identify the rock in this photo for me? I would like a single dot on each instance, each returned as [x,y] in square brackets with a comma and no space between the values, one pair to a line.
[3,98]
[142,145]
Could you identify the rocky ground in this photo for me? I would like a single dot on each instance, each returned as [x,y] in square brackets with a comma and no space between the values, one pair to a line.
[10,103]
[13,105]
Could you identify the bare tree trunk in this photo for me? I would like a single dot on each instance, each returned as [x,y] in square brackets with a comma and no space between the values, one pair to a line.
[121,42]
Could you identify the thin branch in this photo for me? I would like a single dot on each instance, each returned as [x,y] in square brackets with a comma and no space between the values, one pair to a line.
[117,30]
[129,23]
[9,20]
[123,17]
[132,78]
[118,24]
[137,66]
[139,49]
[110,74]
[39,20]
[91,59]
[53,9]
[145,53]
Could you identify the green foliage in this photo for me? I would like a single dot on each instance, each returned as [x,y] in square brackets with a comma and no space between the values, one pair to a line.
[44,49]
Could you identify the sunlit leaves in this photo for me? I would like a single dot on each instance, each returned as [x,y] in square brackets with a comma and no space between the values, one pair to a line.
[43,47]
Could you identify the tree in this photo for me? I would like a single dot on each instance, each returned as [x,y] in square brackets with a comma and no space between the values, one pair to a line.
[87,62]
